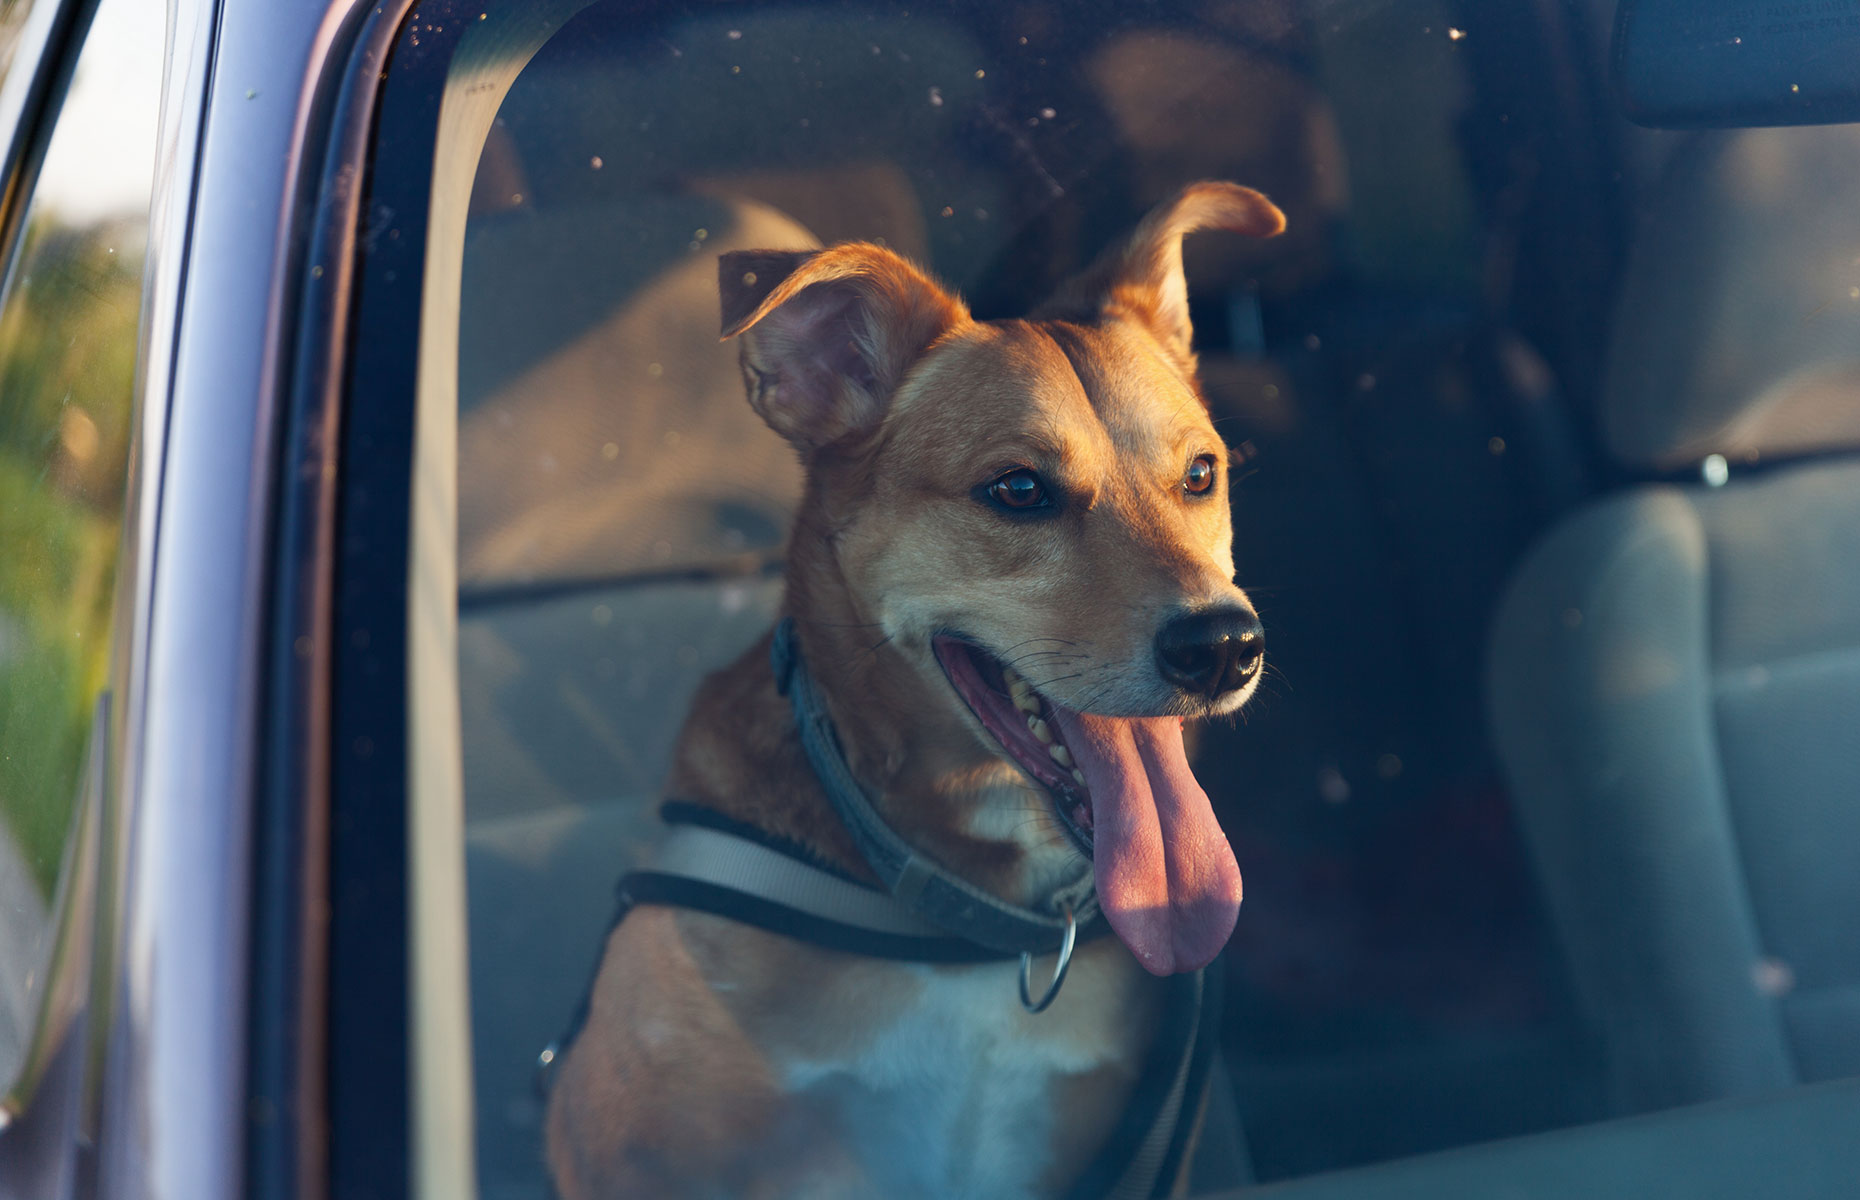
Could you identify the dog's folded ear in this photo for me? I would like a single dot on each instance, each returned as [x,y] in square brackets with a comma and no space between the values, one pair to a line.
[829,334]
[1142,280]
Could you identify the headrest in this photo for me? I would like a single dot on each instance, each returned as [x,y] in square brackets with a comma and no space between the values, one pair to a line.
[1190,107]
[603,429]
[1738,326]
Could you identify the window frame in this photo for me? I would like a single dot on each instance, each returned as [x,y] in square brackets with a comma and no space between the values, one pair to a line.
[329,1009]
[379,1142]
[327,1020]
[221,1008]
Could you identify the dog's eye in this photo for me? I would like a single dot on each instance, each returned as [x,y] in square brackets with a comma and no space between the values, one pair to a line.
[1019,489]
[1200,475]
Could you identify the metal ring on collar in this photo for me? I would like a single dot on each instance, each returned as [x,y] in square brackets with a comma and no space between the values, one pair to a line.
[1059,972]
[542,1079]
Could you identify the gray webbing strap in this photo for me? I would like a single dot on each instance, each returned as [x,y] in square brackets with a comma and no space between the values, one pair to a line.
[953,904]
[711,856]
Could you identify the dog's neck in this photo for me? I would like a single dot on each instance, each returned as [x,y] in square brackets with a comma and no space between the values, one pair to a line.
[926,773]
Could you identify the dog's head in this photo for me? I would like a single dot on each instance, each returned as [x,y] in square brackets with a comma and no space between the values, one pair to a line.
[1035,514]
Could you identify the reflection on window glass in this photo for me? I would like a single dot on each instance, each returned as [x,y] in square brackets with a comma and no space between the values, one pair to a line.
[1506,347]
[12,18]
[68,329]
[622,512]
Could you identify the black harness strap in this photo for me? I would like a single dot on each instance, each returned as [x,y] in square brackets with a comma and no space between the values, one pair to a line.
[677,891]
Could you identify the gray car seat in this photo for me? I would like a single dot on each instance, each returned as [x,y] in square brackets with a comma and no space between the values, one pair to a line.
[621,509]
[1674,677]
[622,514]
[621,520]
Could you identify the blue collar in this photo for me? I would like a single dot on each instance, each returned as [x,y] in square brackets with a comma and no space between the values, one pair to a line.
[913,878]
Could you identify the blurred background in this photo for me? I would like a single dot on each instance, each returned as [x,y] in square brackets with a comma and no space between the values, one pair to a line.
[68,339]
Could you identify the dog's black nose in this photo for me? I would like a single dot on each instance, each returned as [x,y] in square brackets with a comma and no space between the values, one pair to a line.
[1212,652]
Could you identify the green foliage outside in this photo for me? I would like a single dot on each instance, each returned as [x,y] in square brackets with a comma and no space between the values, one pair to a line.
[67,370]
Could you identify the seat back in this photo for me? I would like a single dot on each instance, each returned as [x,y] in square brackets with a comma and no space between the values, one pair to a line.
[622,510]
[1674,678]
[621,518]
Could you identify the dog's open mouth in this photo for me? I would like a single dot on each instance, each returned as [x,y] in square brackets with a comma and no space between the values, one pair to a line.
[1027,726]
[1123,790]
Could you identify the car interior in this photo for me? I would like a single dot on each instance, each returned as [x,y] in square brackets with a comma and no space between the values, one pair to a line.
[1546,492]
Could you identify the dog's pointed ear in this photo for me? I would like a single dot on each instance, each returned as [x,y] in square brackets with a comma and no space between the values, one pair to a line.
[1142,278]
[828,334]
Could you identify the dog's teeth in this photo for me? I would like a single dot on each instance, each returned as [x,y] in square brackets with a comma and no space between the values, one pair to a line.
[1078,777]
[1040,730]
[1060,754]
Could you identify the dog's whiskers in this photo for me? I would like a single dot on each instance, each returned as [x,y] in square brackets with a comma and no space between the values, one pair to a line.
[1045,683]
[874,648]
[1045,657]
[1031,641]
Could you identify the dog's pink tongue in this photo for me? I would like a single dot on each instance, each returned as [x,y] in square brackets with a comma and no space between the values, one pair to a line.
[1166,875]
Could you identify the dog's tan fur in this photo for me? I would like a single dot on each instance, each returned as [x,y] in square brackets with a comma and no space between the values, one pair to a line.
[714,1055]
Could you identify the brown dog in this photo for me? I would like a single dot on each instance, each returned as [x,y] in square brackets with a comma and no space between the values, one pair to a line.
[1012,566]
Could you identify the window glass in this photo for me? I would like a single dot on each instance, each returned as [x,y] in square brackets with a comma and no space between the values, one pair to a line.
[68,338]
[1520,408]
[12,19]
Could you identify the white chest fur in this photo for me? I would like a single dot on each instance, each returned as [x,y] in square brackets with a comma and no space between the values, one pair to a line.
[958,1091]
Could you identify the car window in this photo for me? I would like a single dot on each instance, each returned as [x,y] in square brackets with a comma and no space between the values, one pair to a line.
[12,18]
[69,320]
[1524,412]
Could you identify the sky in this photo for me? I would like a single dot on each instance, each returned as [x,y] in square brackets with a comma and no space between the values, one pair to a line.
[102,153]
